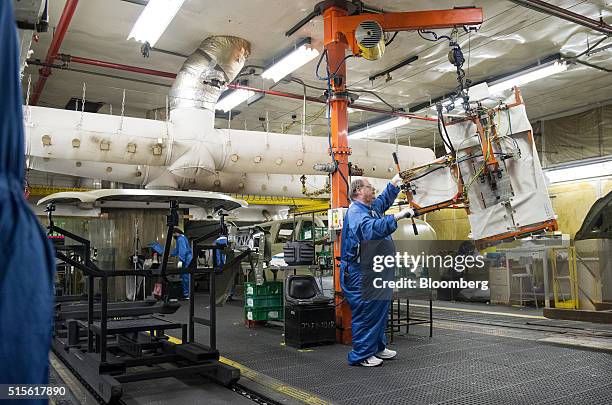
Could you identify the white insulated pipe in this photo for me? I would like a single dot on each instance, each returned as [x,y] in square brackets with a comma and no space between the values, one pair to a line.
[285,185]
[64,134]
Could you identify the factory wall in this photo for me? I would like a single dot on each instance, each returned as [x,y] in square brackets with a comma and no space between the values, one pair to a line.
[113,235]
[579,136]
[151,228]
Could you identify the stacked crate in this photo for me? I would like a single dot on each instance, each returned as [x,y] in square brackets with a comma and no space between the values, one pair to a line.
[263,302]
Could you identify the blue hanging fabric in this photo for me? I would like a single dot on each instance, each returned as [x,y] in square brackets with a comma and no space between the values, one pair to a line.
[27,271]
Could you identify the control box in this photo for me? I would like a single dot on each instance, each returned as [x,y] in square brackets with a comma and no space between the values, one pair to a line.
[335,218]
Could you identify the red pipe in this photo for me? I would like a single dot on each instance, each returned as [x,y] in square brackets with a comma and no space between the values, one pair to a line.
[567,15]
[169,75]
[56,42]
[118,66]
[317,100]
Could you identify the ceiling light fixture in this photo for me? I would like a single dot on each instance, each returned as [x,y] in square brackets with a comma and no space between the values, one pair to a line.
[379,127]
[580,170]
[154,20]
[528,76]
[288,62]
[493,86]
[233,99]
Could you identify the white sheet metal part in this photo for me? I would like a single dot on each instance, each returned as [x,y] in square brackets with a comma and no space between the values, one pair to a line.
[204,199]
[520,197]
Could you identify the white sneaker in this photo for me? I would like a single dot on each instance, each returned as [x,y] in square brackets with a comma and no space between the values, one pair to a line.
[386,354]
[371,361]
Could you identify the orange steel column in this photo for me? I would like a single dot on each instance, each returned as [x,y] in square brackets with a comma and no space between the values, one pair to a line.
[335,44]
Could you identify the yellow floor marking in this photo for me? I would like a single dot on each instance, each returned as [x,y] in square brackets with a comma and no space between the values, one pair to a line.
[477,311]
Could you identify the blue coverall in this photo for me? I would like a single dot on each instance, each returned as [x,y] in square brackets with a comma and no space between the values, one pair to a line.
[184,253]
[369,317]
[28,261]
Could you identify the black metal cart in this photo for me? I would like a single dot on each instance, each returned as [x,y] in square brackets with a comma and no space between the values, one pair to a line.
[107,344]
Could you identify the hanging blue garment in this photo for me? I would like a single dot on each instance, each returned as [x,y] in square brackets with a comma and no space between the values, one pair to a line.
[184,253]
[220,257]
[157,248]
[27,271]
[369,317]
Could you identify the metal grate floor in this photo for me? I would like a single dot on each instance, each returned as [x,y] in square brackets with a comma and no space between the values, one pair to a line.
[453,367]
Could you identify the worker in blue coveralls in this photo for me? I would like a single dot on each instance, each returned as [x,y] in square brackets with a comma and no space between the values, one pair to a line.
[183,251]
[28,260]
[365,220]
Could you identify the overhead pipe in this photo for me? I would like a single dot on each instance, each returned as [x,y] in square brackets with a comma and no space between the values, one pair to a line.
[159,73]
[56,42]
[111,65]
[36,62]
[216,61]
[322,101]
[547,8]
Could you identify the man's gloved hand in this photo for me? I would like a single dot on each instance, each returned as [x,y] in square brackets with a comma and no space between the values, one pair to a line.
[396,180]
[179,265]
[405,213]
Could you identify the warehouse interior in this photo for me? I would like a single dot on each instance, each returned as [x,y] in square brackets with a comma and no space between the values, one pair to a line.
[195,171]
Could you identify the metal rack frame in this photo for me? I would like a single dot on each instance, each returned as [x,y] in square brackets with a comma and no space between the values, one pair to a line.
[96,361]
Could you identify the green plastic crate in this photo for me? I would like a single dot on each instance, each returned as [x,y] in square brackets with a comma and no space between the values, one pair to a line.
[267,288]
[319,233]
[254,290]
[263,314]
[275,288]
[263,301]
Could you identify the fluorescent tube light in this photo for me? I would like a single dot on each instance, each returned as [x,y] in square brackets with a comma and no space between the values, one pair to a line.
[295,59]
[581,171]
[154,20]
[379,127]
[523,78]
[233,99]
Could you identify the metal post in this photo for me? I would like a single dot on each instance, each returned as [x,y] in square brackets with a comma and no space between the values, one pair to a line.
[171,222]
[90,312]
[340,151]
[103,318]
[191,295]
[90,300]
[545,257]
[430,315]
[213,302]
[408,315]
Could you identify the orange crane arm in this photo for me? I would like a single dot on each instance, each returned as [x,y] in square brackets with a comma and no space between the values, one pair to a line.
[408,21]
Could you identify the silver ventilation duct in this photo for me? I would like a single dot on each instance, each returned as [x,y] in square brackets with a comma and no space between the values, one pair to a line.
[200,81]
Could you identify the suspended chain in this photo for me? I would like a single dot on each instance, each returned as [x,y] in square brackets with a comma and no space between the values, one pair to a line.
[82,105]
[122,111]
[28,110]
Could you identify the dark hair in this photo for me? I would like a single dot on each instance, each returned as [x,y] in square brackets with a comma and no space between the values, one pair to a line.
[178,230]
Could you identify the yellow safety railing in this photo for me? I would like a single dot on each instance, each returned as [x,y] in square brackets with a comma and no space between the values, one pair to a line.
[568,300]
